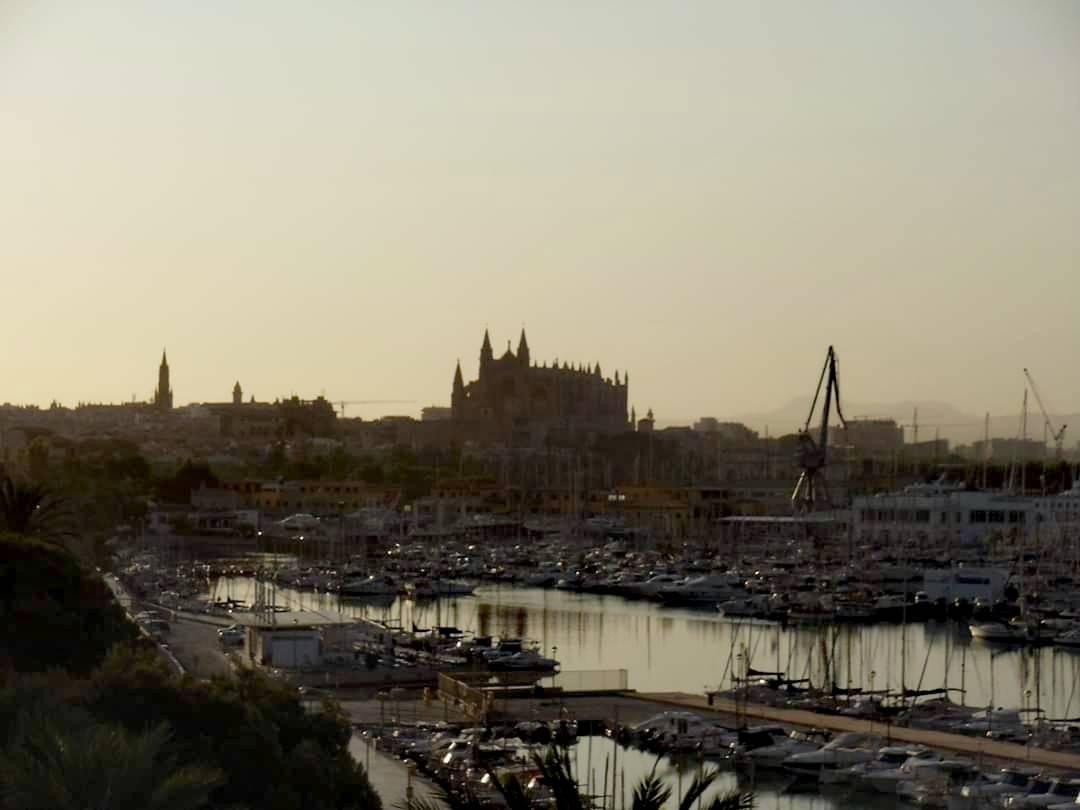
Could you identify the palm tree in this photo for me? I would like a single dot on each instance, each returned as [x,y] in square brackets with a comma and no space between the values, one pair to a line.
[650,793]
[32,509]
[66,760]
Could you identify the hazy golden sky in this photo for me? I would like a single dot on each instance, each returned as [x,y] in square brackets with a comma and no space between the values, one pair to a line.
[340,196]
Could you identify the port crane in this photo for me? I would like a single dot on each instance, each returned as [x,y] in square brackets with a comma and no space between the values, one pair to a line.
[341,403]
[812,456]
[1057,435]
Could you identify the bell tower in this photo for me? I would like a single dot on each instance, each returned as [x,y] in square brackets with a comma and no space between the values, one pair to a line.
[163,397]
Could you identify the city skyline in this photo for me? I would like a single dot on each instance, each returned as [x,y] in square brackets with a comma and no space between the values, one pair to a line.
[939,419]
[341,199]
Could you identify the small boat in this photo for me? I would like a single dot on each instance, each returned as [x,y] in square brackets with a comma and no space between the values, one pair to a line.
[999,633]
[756,606]
[368,586]
[524,661]
[1070,638]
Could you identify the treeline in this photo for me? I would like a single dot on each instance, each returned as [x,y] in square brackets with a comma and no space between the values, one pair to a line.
[90,716]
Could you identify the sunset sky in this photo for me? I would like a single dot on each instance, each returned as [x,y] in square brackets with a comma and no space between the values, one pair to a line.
[338,197]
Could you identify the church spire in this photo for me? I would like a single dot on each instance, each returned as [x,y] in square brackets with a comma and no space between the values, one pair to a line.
[457,396]
[523,349]
[486,353]
[163,396]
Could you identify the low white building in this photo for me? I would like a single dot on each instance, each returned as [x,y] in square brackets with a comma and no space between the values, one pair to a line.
[949,514]
[286,646]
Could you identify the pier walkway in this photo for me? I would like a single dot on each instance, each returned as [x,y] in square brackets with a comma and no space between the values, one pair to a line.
[974,747]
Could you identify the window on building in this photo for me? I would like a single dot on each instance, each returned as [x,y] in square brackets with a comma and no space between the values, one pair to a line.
[996,516]
[977,516]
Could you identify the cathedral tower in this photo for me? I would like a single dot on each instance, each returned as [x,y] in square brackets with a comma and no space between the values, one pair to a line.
[237,394]
[163,397]
[457,396]
[486,354]
[523,350]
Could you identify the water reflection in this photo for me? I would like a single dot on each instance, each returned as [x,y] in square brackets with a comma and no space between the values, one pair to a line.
[672,649]
[598,757]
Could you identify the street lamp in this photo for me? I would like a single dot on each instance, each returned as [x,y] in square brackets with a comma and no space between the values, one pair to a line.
[872,710]
[341,527]
[1027,705]
[410,767]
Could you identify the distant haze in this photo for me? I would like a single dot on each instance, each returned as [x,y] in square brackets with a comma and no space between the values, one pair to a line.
[338,197]
[934,420]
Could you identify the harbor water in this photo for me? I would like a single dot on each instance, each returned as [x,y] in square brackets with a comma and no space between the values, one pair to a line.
[666,649]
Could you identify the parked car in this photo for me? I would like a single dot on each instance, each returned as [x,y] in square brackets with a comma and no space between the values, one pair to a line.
[232,636]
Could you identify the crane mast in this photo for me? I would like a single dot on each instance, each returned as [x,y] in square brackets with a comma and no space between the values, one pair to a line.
[1057,435]
[813,456]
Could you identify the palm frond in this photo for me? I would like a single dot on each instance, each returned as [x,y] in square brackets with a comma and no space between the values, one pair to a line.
[698,788]
[559,777]
[735,800]
[66,760]
[651,793]
[512,792]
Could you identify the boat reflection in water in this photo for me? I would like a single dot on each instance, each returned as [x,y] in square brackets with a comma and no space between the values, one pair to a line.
[682,649]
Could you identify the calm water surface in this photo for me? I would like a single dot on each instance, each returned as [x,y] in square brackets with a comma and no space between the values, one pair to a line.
[675,649]
[597,755]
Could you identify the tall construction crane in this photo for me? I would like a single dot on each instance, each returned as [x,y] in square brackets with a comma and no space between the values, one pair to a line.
[813,455]
[1058,435]
[341,403]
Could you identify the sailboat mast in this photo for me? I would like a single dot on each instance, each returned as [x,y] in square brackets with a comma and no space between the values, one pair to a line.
[1023,468]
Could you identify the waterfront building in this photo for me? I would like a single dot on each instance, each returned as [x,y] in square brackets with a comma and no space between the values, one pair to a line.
[868,435]
[942,514]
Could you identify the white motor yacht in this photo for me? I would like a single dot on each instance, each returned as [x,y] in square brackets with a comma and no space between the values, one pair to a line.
[650,588]
[843,752]
[886,780]
[783,746]
[1044,793]
[888,758]
[685,731]
[368,586]
[708,589]
[998,785]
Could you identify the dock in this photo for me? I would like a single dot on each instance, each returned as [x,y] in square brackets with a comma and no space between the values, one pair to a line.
[974,747]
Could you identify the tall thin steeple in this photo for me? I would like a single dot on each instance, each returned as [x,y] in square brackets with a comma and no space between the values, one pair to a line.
[457,396]
[163,397]
[523,349]
[486,353]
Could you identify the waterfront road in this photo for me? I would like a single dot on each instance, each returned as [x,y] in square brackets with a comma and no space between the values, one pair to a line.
[195,645]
